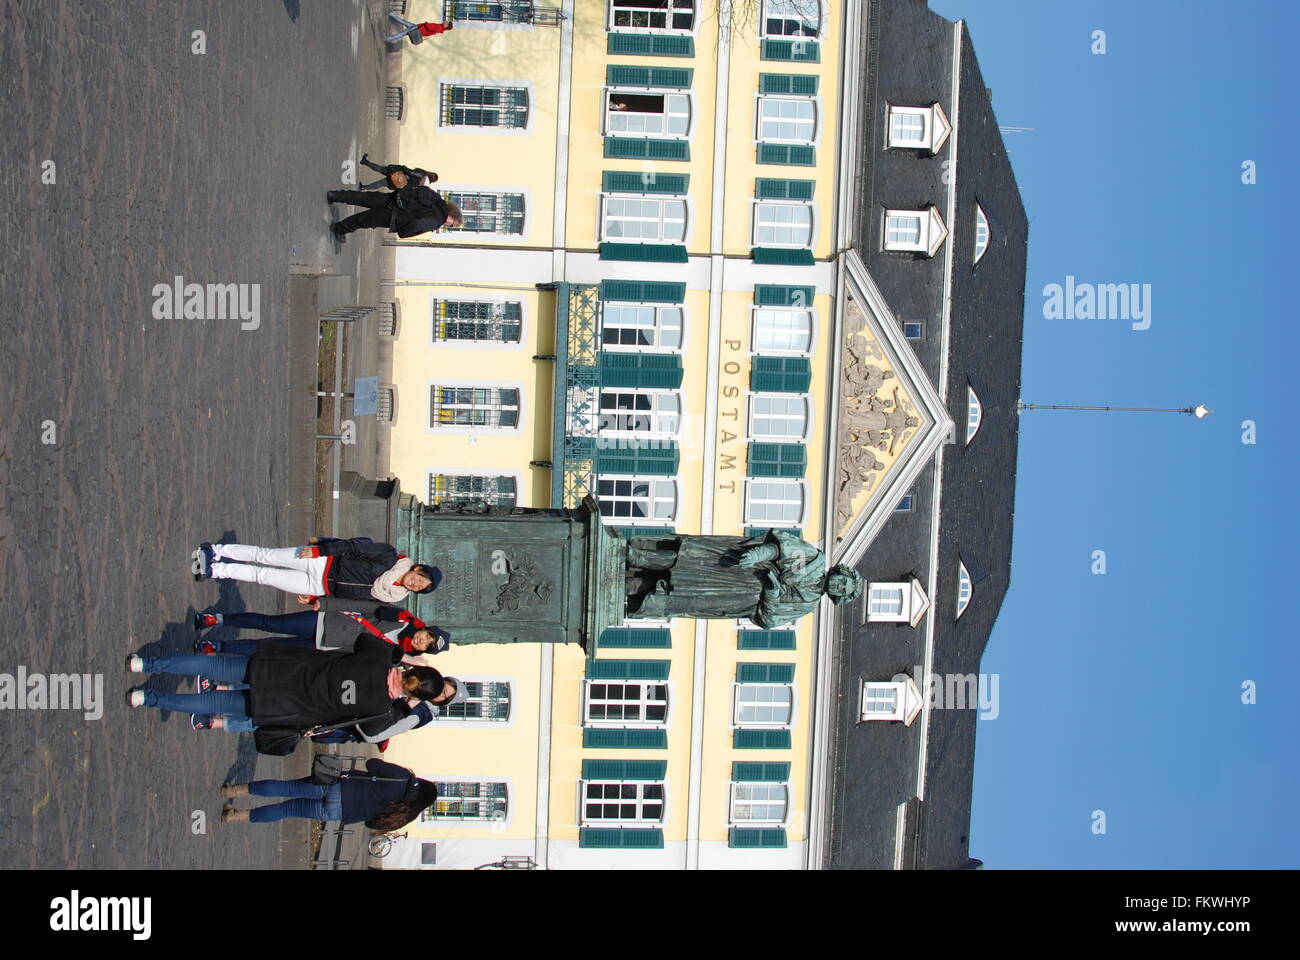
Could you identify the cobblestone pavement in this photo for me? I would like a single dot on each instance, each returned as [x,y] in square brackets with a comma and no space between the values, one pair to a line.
[168,162]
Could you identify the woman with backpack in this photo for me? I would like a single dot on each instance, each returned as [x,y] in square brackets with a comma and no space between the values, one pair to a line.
[386,796]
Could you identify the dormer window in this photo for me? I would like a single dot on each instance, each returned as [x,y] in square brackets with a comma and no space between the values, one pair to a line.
[981,232]
[917,231]
[964,588]
[896,603]
[974,413]
[897,699]
[918,128]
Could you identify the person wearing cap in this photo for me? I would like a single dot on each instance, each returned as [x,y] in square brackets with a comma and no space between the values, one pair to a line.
[356,569]
[331,629]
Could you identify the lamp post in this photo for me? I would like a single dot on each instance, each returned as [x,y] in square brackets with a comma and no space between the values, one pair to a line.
[1200,411]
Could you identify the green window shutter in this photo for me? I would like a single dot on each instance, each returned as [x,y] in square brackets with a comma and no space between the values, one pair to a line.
[782,295]
[777,459]
[750,772]
[629,532]
[604,838]
[644,252]
[788,256]
[770,189]
[780,374]
[800,51]
[660,460]
[785,153]
[620,75]
[624,769]
[762,672]
[626,182]
[799,84]
[646,148]
[625,739]
[750,838]
[637,637]
[765,639]
[628,669]
[761,739]
[650,45]
[650,370]
[643,291]
[676,78]
[760,531]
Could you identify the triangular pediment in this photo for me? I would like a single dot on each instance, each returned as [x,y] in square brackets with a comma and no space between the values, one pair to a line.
[889,419]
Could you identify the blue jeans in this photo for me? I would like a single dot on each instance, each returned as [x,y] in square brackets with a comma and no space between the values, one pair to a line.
[311,801]
[301,624]
[222,668]
[246,648]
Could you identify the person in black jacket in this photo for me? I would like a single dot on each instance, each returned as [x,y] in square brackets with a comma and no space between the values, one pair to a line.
[385,796]
[415,176]
[356,569]
[408,212]
[291,688]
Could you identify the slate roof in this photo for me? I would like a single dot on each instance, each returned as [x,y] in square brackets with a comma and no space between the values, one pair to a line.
[874,765]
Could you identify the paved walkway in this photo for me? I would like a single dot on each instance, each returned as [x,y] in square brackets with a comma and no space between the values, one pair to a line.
[167,162]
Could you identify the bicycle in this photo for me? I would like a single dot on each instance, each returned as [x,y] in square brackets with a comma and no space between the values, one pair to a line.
[382,843]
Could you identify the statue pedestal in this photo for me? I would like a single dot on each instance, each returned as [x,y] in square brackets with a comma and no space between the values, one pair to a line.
[514,574]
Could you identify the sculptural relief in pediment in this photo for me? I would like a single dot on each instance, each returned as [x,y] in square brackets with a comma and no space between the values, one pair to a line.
[878,418]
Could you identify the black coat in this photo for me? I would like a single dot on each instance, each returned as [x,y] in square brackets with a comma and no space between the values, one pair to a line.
[418,210]
[356,565]
[294,687]
[364,794]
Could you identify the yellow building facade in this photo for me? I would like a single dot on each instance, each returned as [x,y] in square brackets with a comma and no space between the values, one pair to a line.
[624,155]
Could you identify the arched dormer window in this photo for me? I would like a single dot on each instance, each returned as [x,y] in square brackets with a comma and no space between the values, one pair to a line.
[974,413]
[981,232]
[964,588]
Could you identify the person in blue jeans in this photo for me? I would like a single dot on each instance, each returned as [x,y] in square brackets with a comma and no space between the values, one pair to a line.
[384,795]
[287,686]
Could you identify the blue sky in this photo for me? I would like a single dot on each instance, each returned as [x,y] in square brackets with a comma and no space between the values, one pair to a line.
[1122,692]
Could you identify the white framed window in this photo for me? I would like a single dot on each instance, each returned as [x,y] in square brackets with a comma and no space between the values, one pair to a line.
[763,704]
[622,801]
[974,413]
[782,330]
[981,232]
[657,219]
[780,223]
[494,489]
[653,412]
[759,802]
[488,700]
[625,703]
[903,602]
[468,800]
[914,330]
[918,128]
[919,231]
[488,211]
[490,12]
[964,588]
[473,407]
[644,113]
[904,504]
[667,16]
[787,119]
[774,502]
[791,18]
[897,699]
[642,499]
[640,326]
[778,416]
[480,321]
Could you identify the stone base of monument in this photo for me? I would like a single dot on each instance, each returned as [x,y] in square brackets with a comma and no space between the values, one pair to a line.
[516,574]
